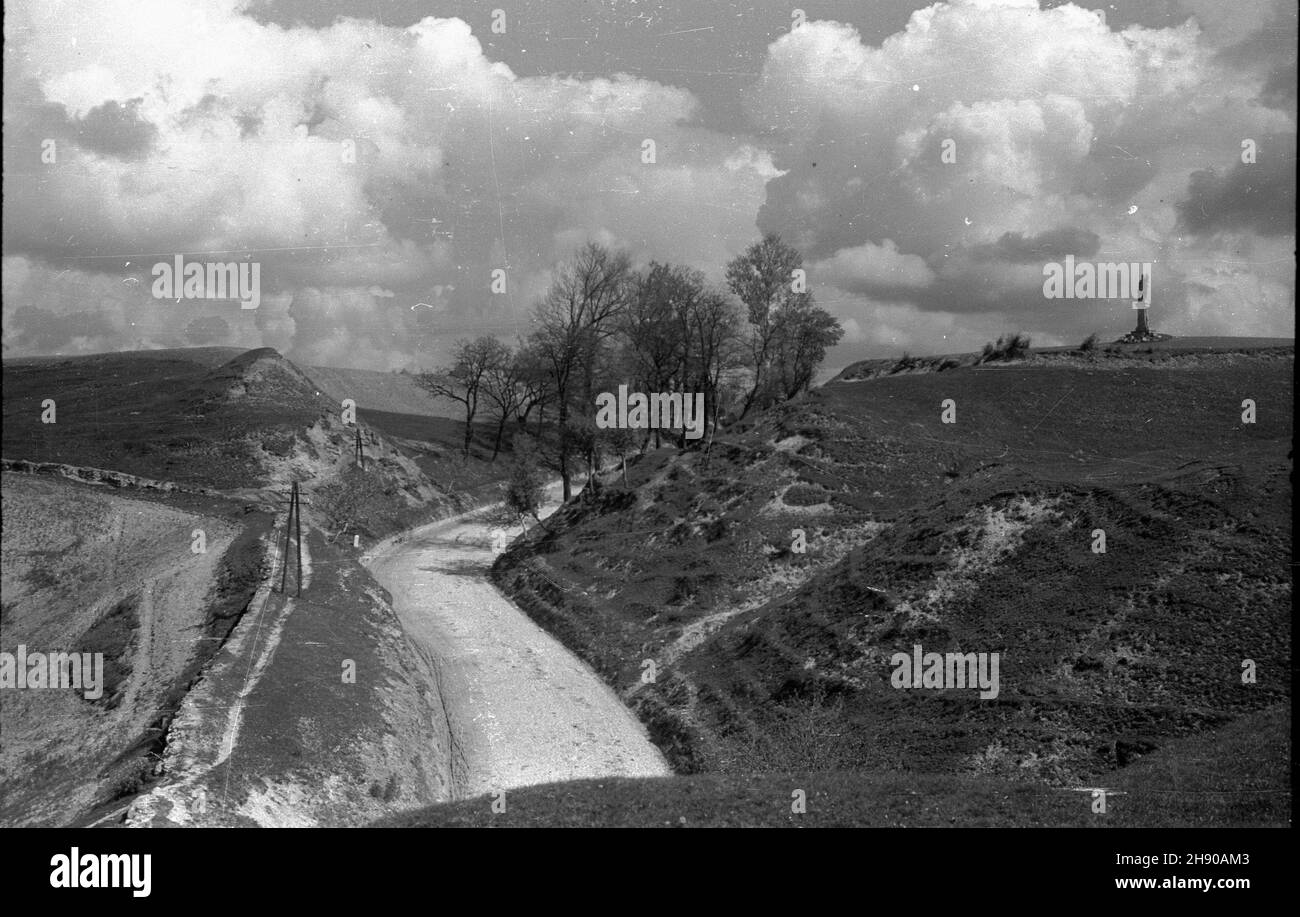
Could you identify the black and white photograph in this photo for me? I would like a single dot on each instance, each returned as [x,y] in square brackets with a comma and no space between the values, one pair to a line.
[860,414]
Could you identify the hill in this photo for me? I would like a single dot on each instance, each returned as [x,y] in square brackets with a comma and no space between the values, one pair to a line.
[1170,352]
[225,706]
[236,422]
[974,537]
[392,393]
[163,414]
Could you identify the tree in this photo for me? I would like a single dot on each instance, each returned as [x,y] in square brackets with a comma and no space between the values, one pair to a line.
[803,336]
[655,327]
[464,380]
[533,382]
[715,348]
[790,335]
[502,391]
[574,322]
[622,442]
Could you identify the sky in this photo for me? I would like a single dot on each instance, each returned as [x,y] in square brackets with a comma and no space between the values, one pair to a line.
[385,162]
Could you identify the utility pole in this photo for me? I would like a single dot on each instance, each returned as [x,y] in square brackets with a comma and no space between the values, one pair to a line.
[297,536]
[292,530]
[360,452]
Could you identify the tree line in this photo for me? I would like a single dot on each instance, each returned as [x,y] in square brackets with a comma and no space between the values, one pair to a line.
[661,328]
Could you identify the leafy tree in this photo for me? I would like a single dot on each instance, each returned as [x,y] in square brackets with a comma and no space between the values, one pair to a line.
[787,327]
[803,336]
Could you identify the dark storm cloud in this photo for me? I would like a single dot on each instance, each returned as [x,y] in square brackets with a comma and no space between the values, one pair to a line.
[1258,196]
[116,130]
[1046,246]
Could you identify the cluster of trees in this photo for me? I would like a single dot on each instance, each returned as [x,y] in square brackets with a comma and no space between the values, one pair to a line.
[663,328]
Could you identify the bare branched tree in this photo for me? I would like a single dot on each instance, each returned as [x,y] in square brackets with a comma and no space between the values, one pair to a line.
[574,321]
[465,380]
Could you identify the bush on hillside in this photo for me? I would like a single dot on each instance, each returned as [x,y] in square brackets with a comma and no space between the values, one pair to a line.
[1008,347]
[526,487]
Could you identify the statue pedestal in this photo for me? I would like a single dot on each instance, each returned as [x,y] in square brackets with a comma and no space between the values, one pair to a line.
[1142,333]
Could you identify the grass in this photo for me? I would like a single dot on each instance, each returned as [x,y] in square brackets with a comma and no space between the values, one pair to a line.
[114,634]
[1255,758]
[159,416]
[972,536]
[232,421]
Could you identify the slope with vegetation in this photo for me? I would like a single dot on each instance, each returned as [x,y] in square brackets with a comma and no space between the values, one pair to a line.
[228,703]
[973,536]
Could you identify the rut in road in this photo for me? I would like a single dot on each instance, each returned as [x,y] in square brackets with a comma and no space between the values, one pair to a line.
[522,709]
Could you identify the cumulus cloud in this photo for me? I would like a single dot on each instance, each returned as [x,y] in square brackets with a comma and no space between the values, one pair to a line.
[870,267]
[992,136]
[371,168]
[344,159]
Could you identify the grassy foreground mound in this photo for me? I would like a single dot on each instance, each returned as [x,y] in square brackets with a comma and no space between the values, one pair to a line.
[1251,753]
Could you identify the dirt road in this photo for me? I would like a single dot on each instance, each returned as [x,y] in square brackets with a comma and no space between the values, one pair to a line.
[523,709]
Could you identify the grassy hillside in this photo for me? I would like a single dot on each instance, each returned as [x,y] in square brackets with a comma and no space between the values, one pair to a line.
[1170,352]
[168,414]
[395,393]
[86,569]
[185,647]
[1157,790]
[237,422]
[974,536]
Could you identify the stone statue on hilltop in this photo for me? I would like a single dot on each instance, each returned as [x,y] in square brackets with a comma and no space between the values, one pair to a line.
[1142,332]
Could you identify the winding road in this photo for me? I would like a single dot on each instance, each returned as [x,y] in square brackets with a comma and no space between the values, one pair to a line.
[522,709]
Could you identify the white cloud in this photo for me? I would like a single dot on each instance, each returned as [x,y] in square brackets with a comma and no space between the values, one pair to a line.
[1054,124]
[871,266]
[352,157]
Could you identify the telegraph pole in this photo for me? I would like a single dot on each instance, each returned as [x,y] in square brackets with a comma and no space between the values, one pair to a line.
[297,526]
[292,531]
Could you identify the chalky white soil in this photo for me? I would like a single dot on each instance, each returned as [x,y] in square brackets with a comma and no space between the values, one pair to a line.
[69,554]
[523,710]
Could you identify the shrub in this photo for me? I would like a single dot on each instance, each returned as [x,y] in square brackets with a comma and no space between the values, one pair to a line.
[1089,343]
[904,363]
[525,487]
[1008,347]
[132,778]
[357,501]
[809,732]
